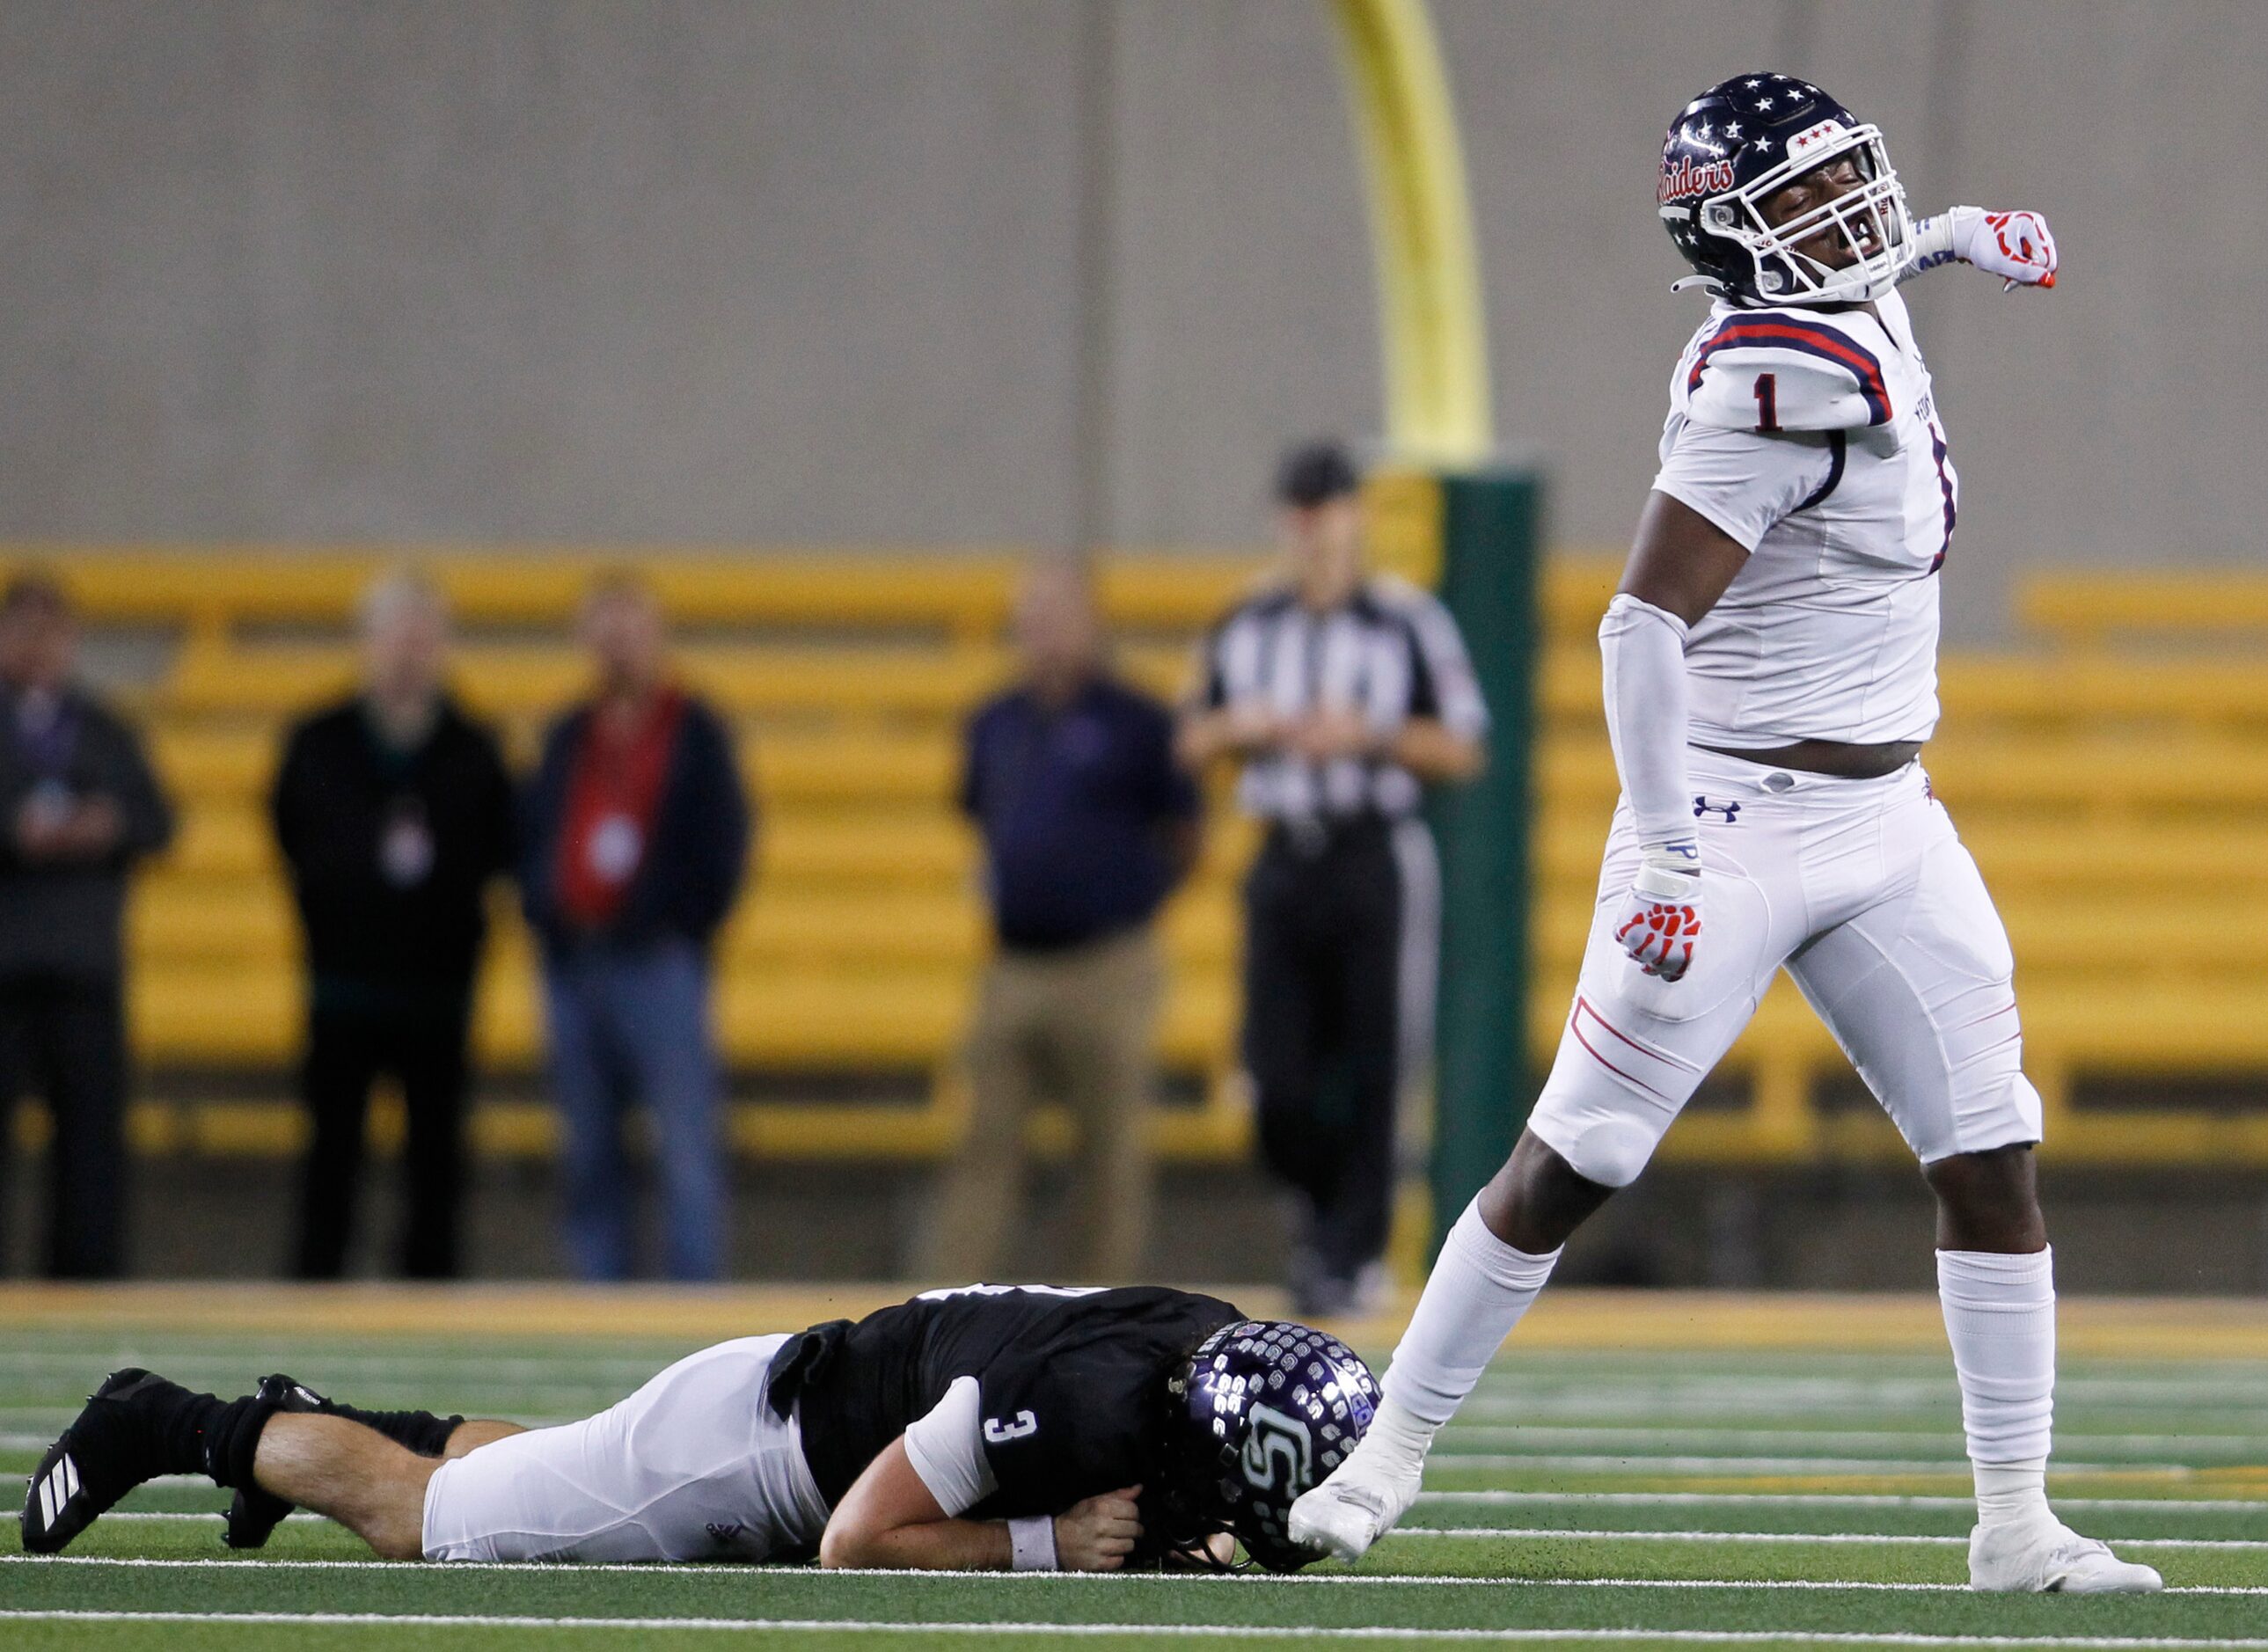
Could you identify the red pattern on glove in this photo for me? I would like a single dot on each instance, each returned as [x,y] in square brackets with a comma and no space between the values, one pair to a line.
[1660,935]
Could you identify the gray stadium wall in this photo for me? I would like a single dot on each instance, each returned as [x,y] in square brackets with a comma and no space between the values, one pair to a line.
[870,270]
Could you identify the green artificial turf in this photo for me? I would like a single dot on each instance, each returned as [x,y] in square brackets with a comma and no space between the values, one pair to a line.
[1639,1495]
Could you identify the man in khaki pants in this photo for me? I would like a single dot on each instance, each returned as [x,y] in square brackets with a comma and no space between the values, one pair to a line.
[1087,824]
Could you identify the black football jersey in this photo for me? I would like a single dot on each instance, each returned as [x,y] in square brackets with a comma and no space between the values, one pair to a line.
[1071,1384]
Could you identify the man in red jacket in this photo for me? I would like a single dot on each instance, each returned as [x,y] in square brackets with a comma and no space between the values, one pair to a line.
[636,833]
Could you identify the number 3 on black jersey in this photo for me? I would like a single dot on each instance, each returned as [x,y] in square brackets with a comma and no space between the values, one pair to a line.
[999,1432]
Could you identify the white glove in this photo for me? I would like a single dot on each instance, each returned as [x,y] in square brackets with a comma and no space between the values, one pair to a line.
[1661,917]
[2014,246]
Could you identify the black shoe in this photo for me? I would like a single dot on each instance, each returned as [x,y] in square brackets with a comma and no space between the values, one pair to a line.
[112,1447]
[254,1513]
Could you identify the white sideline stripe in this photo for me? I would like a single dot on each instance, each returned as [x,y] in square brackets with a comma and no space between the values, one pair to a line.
[1594,1534]
[1620,1463]
[1509,1429]
[1512,1434]
[1527,1377]
[1767,1397]
[1162,1631]
[1918,1389]
[1646,1462]
[1250,1580]
[1544,1531]
[1852,1500]
[202,1514]
[1848,1500]
[153,1357]
[1586,1532]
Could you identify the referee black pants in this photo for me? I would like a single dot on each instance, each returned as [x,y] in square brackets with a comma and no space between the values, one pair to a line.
[423,1046]
[64,1040]
[1327,993]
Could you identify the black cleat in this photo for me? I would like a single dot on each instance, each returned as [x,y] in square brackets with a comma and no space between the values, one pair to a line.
[254,1513]
[112,1447]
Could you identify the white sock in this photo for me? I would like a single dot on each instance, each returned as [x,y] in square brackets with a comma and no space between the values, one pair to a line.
[1478,1290]
[2000,1316]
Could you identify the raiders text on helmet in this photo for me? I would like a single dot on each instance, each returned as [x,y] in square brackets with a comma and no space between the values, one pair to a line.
[1741,141]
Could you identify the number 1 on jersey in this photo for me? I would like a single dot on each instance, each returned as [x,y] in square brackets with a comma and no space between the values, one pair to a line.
[1768,404]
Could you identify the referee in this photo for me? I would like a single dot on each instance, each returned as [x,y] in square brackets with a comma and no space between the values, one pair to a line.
[1342,695]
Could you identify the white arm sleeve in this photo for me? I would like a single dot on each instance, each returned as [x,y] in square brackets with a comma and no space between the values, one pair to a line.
[1643,647]
[946,1448]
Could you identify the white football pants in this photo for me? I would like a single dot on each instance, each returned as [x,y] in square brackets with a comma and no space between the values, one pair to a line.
[694,1466]
[1862,890]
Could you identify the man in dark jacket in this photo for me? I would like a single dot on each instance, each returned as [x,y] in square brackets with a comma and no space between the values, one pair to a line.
[78,807]
[1088,823]
[393,811]
[636,833]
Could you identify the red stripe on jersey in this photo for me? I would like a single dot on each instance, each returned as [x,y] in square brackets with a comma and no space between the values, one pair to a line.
[1811,339]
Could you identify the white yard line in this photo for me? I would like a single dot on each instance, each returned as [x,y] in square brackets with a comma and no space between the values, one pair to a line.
[199,1481]
[1250,1580]
[1145,1631]
[1766,1400]
[1585,1533]
[1512,1378]
[1589,1534]
[1511,1423]
[1617,1462]
[1646,1462]
[2251,1441]
[181,1513]
[1849,1499]
[155,1357]
[1492,1421]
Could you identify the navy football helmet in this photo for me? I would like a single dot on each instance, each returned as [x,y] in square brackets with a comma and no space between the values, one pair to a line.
[1744,140]
[1262,1411]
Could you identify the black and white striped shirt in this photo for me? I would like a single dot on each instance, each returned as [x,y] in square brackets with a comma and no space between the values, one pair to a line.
[1390,652]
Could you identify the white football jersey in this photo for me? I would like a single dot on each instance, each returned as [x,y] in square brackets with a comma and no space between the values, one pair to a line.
[1811,438]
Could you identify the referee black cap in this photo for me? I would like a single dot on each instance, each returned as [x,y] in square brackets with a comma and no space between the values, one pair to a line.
[1314,473]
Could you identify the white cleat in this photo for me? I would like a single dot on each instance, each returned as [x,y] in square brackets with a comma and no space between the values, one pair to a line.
[2048,1557]
[1354,1507]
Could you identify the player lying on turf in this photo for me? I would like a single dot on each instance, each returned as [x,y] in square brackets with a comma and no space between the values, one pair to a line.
[1770,673]
[984,1429]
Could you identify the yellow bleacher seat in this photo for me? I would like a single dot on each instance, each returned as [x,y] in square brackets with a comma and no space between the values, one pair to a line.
[2077,607]
[2134,782]
[532,681]
[215,589]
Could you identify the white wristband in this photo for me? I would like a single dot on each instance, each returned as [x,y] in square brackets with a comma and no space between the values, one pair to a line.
[1032,1541]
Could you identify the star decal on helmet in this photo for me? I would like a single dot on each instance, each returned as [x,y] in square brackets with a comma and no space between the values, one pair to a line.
[1731,148]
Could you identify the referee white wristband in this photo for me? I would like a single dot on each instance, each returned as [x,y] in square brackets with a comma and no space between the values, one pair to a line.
[1032,1541]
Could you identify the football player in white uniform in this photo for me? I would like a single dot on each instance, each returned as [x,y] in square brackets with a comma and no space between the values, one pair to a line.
[1770,679]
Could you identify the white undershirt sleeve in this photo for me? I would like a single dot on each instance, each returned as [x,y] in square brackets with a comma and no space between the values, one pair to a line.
[946,1449]
[1643,650]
